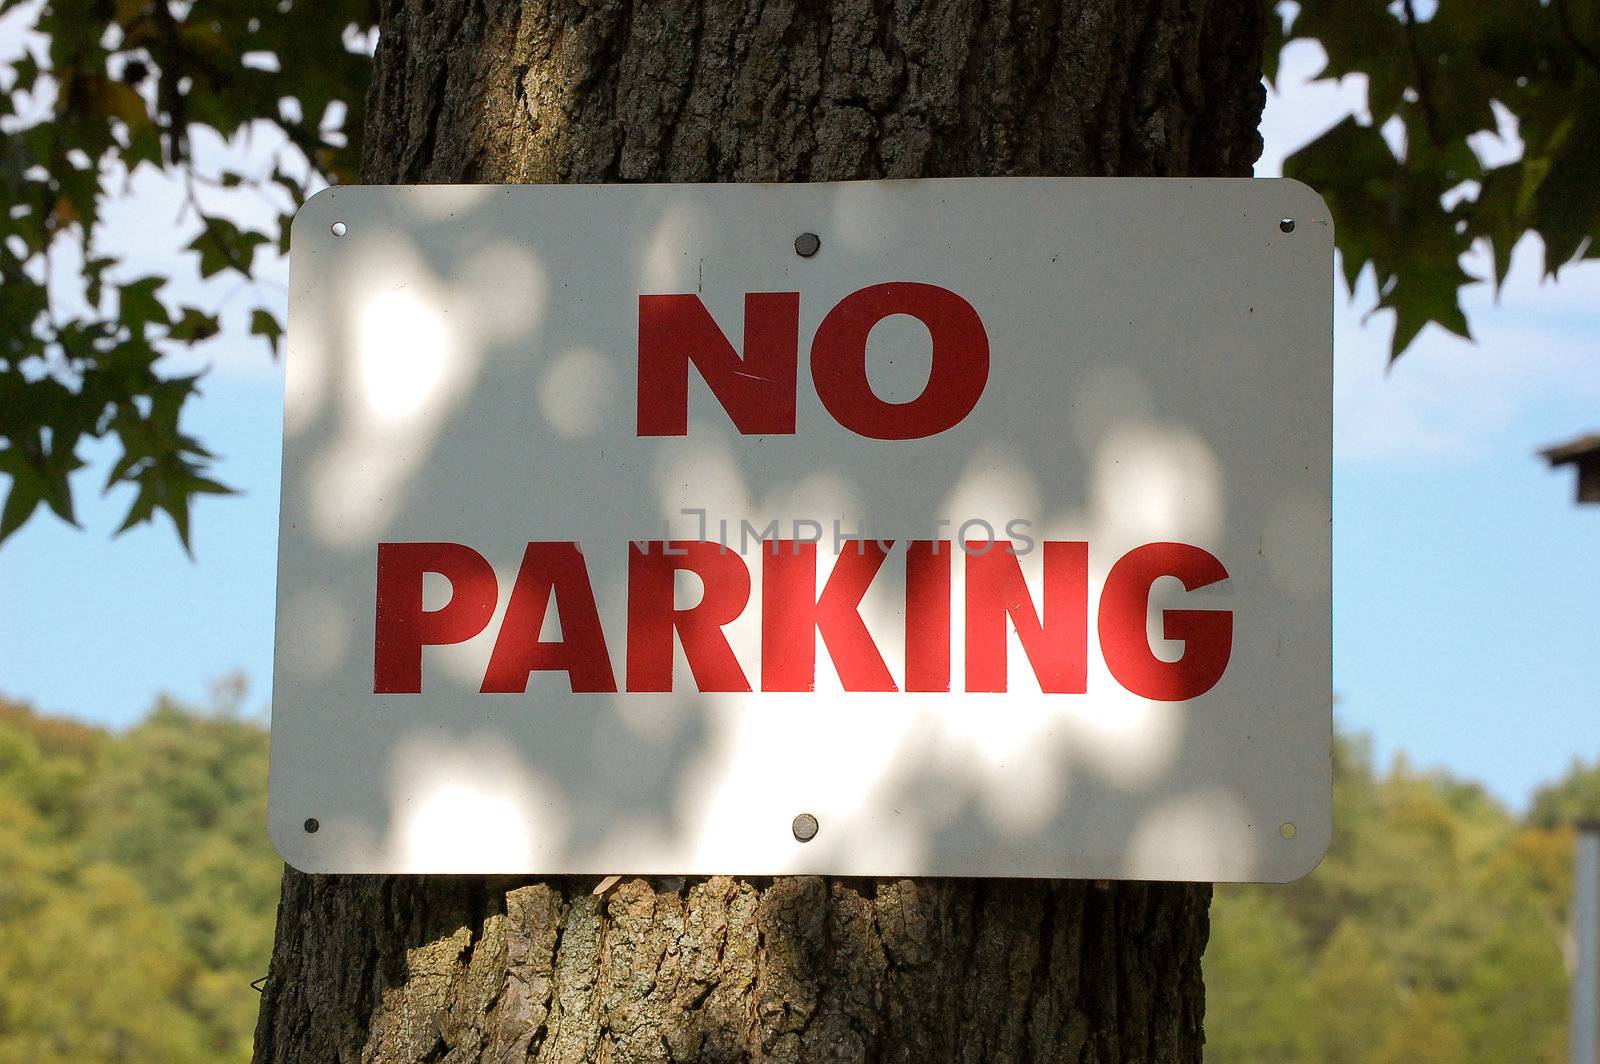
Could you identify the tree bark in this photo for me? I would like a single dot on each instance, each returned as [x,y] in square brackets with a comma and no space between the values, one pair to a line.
[412,969]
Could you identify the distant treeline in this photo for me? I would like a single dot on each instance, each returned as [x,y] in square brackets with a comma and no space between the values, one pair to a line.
[137,887]
[1434,930]
[137,891]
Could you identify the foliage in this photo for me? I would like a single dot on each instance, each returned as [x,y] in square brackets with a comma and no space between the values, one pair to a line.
[1432,931]
[125,84]
[1443,75]
[120,85]
[1574,798]
[136,887]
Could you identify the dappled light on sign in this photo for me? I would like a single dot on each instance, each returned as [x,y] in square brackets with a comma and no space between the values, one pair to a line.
[578,393]
[405,354]
[1187,832]
[459,828]
[307,372]
[502,290]
[470,808]
[411,367]
[1121,738]
[699,474]
[650,533]
[665,264]
[1156,482]
[994,489]
[319,624]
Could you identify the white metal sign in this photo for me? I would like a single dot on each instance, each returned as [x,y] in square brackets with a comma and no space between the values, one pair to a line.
[959,527]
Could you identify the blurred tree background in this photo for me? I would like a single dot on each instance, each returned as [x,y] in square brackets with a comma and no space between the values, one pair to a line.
[1434,930]
[137,892]
[137,887]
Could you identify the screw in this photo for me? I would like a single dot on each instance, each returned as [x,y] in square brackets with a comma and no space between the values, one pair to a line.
[804,827]
[338,229]
[311,825]
[1286,224]
[806,245]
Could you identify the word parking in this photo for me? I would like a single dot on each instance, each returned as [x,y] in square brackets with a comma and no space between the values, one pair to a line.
[1055,638]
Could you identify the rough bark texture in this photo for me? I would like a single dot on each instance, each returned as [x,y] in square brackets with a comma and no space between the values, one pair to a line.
[796,970]
[805,969]
[745,90]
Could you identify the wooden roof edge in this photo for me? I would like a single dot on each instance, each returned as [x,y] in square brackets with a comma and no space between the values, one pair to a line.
[1573,450]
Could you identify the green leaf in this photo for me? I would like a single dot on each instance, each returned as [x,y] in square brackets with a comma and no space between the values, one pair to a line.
[57,488]
[169,485]
[291,185]
[138,304]
[1567,201]
[143,508]
[1421,296]
[1442,69]
[198,485]
[1276,38]
[195,325]
[21,501]
[94,277]
[40,456]
[121,468]
[262,323]
[285,224]
[1388,215]
[224,246]
[1494,215]
[24,496]
[26,69]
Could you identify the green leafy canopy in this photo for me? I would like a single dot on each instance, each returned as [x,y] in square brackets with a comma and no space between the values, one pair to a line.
[103,88]
[1441,76]
[123,84]
[136,885]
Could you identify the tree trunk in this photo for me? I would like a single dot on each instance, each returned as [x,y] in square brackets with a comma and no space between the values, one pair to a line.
[404,969]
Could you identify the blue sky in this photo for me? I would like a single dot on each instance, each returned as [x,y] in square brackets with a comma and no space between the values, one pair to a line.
[1466,592]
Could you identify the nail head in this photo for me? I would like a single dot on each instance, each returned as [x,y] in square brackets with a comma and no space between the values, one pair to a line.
[1286,224]
[807,244]
[805,827]
[338,229]
[312,825]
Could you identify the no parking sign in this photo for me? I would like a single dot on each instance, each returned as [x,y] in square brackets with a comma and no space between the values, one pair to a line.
[957,527]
